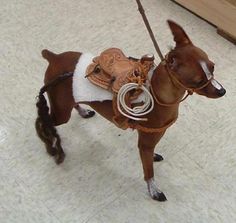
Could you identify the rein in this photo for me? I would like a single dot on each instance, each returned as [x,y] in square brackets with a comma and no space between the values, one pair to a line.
[170,73]
[145,20]
[142,12]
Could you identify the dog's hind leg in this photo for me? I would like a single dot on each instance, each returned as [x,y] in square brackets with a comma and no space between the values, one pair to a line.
[84,113]
[58,85]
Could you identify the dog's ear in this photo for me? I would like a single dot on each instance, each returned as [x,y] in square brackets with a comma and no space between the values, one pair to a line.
[180,37]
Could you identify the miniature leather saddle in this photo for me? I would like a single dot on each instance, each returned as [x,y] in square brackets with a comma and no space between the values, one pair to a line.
[112,69]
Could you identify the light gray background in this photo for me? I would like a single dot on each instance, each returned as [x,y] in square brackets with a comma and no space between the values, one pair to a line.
[101,179]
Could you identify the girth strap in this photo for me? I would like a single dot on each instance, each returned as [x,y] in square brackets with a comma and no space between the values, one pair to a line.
[151,130]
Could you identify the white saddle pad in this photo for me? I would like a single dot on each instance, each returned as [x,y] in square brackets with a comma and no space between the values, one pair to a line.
[83,89]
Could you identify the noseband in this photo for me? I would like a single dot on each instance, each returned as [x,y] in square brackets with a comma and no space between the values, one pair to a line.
[173,79]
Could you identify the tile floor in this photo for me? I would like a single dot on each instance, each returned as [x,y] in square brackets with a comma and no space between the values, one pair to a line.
[101,179]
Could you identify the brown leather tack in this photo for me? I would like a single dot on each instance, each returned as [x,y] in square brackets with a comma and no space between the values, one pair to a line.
[112,69]
[115,70]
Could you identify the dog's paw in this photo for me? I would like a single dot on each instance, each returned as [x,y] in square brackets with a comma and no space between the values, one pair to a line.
[86,113]
[154,192]
[159,197]
[157,157]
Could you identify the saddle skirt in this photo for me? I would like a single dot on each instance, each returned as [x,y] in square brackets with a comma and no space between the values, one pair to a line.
[112,69]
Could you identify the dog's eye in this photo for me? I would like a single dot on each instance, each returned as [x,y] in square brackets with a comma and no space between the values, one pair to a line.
[211,67]
[173,63]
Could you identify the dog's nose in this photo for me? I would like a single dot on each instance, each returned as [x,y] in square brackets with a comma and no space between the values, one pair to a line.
[221,92]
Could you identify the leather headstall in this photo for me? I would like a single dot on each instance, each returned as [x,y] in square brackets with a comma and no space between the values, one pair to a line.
[174,79]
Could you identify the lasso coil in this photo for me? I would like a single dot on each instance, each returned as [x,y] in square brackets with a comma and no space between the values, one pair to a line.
[137,111]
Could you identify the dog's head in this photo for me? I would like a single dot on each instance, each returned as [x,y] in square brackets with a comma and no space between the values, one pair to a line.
[191,65]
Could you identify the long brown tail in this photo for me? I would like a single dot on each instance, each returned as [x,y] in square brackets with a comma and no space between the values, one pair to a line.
[44,124]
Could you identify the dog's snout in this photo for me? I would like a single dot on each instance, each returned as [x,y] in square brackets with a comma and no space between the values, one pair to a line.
[221,92]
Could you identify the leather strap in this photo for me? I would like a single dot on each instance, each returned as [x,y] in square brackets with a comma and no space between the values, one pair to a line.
[190,90]
[142,12]
[151,130]
[167,104]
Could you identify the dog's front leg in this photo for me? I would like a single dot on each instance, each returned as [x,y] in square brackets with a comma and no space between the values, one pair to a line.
[146,144]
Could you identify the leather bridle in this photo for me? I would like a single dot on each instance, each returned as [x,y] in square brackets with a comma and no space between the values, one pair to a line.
[173,79]
[172,76]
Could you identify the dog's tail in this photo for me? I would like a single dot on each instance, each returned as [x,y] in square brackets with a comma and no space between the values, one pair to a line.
[48,55]
[43,110]
[45,125]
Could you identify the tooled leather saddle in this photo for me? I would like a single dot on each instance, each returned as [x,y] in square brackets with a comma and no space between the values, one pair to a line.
[112,69]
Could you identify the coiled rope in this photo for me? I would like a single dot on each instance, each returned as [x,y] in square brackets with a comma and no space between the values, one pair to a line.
[137,111]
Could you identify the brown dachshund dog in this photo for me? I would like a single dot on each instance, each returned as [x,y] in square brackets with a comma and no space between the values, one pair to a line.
[186,69]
